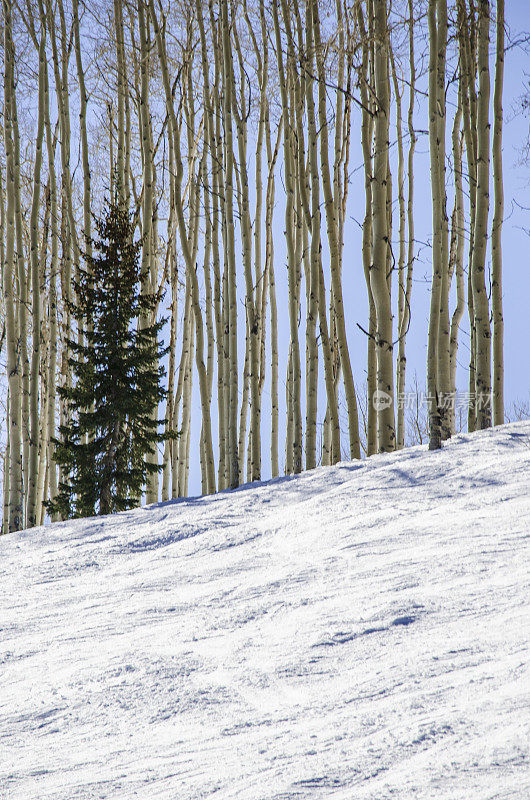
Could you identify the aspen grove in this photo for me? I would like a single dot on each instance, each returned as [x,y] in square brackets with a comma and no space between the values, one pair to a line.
[243,135]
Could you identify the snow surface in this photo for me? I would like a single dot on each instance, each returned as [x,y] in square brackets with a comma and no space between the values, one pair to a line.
[357,632]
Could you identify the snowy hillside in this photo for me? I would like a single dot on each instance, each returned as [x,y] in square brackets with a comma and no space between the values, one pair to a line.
[358,632]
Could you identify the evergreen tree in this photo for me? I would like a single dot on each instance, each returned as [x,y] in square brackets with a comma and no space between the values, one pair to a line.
[116,378]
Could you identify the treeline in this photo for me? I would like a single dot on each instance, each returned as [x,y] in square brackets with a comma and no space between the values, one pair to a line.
[224,124]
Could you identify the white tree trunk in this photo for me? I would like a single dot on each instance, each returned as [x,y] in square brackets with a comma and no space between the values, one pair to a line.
[496,230]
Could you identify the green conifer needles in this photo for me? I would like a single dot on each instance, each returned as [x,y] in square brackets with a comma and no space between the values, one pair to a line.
[116,385]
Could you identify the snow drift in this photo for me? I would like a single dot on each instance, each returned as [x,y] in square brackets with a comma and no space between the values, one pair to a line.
[357,632]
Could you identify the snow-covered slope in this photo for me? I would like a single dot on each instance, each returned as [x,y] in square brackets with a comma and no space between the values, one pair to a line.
[355,632]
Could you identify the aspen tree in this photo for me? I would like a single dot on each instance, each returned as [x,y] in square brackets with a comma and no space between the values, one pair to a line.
[331,449]
[184,438]
[456,257]
[269,256]
[43,477]
[300,83]
[317,301]
[341,180]
[5,481]
[333,239]
[406,282]
[261,276]
[295,371]
[121,72]
[378,277]
[112,162]
[231,298]
[189,250]
[30,369]
[52,289]
[478,265]
[243,411]
[173,281]
[443,347]
[466,36]
[68,233]
[289,414]
[83,131]
[128,129]
[62,92]
[31,503]
[185,358]
[212,134]
[210,342]
[342,123]
[295,425]
[410,197]
[251,308]
[208,299]
[218,158]
[389,218]
[2,262]
[402,300]
[261,52]
[328,370]
[16,510]
[87,211]
[147,202]
[5,461]
[37,434]
[367,126]
[433,385]
[496,230]
[22,305]
[314,222]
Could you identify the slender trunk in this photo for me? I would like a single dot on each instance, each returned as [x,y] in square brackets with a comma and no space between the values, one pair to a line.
[121,71]
[68,234]
[402,305]
[444,332]
[378,273]
[52,297]
[184,437]
[189,247]
[16,511]
[22,307]
[31,505]
[232,387]
[333,239]
[366,140]
[185,357]
[83,134]
[294,360]
[313,219]
[5,512]
[405,322]
[251,307]
[433,384]
[496,230]
[269,255]
[466,35]
[478,266]
[456,258]
[151,495]
[173,281]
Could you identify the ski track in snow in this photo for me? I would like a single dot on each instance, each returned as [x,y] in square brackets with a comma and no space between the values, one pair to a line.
[357,632]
